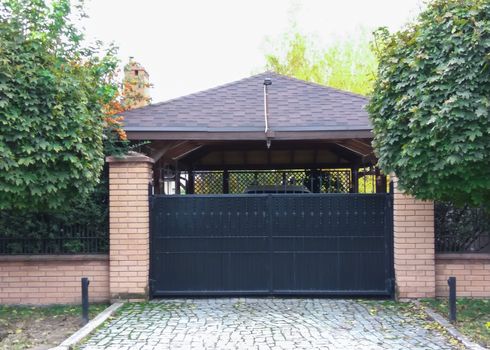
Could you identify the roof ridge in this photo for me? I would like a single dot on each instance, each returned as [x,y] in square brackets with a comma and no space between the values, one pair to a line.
[217,87]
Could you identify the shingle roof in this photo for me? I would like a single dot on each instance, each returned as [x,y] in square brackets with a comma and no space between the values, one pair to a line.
[294,105]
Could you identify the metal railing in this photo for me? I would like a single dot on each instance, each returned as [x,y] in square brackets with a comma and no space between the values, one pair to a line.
[461,229]
[73,239]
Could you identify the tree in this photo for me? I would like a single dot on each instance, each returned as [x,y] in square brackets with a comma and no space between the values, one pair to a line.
[53,91]
[347,65]
[431,103]
[131,93]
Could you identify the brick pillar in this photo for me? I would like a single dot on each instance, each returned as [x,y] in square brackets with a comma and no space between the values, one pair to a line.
[414,255]
[129,230]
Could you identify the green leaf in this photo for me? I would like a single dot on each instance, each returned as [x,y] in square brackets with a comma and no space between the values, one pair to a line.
[430,104]
[50,104]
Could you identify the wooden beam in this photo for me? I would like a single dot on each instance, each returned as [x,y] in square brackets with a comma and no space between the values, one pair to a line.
[246,135]
[158,149]
[361,146]
[195,151]
[274,166]
[182,149]
[346,153]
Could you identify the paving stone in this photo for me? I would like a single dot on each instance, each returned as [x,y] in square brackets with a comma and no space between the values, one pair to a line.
[254,323]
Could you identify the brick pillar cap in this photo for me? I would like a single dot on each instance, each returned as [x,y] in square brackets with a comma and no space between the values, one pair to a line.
[131,157]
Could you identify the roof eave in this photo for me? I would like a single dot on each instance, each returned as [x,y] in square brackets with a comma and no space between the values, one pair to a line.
[243,135]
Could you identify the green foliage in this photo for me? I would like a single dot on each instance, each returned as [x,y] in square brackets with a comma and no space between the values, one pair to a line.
[473,316]
[299,61]
[40,327]
[347,65]
[431,103]
[11,314]
[52,93]
[81,227]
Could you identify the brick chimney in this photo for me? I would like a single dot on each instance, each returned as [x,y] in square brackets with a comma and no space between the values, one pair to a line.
[136,85]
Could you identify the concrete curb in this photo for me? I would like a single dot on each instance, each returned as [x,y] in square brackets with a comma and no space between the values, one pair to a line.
[79,335]
[463,339]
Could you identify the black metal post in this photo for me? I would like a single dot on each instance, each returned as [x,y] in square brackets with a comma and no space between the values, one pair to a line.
[85,283]
[380,181]
[355,179]
[151,189]
[190,182]
[226,182]
[177,182]
[452,298]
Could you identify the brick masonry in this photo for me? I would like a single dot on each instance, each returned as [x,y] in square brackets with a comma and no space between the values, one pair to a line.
[129,225]
[472,272]
[52,279]
[414,255]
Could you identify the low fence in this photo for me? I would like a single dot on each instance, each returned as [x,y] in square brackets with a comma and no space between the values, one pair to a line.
[461,229]
[462,243]
[42,261]
[81,229]
[44,255]
[58,239]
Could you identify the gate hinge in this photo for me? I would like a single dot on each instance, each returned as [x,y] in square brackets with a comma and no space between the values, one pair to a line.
[151,194]
[389,201]
[390,286]
[151,285]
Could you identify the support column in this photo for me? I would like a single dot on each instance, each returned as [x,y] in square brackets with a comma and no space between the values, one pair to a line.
[355,179]
[414,255]
[226,182]
[129,229]
[190,182]
[381,184]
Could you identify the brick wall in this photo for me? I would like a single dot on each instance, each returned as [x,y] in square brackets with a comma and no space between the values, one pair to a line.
[129,225]
[472,272]
[52,279]
[414,246]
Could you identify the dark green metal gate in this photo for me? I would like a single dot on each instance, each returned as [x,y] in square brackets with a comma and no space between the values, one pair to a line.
[271,244]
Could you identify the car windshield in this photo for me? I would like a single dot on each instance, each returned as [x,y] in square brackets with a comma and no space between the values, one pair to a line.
[277,189]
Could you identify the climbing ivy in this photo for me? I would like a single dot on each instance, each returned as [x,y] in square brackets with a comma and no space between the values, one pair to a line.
[431,103]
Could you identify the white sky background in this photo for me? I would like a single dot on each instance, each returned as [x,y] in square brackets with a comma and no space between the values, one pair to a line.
[192,45]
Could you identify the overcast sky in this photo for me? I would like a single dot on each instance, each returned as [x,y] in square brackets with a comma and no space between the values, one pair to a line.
[188,46]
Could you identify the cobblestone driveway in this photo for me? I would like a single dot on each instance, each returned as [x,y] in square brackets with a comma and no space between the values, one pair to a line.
[267,324]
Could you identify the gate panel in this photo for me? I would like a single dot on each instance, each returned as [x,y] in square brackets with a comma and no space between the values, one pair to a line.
[209,245]
[271,244]
[329,244]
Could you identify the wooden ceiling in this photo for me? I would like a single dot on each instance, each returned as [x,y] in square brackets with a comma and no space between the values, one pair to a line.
[255,154]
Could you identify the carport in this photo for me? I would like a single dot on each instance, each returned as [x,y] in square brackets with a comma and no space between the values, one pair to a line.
[265,186]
